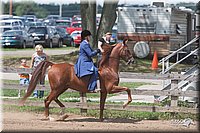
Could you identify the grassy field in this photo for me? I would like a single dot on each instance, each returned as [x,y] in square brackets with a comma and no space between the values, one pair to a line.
[139,115]
[140,65]
[95,113]
[17,49]
[14,93]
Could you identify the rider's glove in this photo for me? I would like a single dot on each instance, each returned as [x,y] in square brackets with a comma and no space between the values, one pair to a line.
[98,50]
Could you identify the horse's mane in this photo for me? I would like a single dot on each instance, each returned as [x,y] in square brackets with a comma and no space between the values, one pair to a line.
[107,51]
[107,48]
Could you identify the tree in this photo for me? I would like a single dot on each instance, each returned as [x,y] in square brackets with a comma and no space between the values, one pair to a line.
[108,17]
[30,7]
[25,7]
[88,15]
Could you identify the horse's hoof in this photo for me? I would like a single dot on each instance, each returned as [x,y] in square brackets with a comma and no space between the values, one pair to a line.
[51,119]
[45,119]
[63,117]
[21,103]
[101,119]
[124,105]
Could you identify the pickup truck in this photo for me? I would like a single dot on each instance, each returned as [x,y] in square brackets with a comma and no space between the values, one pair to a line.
[75,26]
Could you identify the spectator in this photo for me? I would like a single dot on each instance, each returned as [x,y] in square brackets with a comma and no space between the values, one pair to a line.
[38,57]
[23,77]
[105,39]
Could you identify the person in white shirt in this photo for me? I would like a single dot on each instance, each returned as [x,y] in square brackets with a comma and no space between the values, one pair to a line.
[105,39]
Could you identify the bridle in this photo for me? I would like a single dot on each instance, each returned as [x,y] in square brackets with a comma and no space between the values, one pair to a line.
[123,53]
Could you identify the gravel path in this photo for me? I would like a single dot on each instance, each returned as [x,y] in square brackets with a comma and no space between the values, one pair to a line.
[29,121]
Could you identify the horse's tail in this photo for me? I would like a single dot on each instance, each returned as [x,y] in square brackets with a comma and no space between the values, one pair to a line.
[38,74]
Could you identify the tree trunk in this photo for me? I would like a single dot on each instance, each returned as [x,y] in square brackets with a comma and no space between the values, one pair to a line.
[88,15]
[108,17]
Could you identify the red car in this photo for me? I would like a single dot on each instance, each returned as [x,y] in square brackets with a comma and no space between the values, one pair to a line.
[75,26]
[76,18]
[76,35]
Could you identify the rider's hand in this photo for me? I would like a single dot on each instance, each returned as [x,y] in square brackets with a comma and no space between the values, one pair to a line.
[98,51]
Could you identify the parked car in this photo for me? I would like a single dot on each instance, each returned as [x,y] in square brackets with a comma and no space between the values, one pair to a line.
[45,35]
[61,22]
[75,26]
[113,38]
[65,37]
[76,35]
[22,20]
[16,38]
[36,23]
[76,18]
[66,18]
[6,28]
[12,22]
[55,17]
[49,22]
[30,18]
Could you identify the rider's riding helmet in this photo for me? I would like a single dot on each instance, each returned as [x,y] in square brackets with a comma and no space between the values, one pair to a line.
[85,33]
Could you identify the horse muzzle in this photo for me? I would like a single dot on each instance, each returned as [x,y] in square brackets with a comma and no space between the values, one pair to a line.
[130,61]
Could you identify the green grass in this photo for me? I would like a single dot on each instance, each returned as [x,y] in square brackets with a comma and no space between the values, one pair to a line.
[107,113]
[95,113]
[140,65]
[14,93]
[17,49]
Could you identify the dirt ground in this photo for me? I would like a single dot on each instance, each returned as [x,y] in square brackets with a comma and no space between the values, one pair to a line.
[29,121]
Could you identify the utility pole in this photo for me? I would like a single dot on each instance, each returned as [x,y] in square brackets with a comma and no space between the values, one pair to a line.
[10,11]
[60,9]
[1,11]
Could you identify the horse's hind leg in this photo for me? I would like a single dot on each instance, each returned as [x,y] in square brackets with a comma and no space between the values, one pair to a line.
[47,101]
[59,102]
[116,89]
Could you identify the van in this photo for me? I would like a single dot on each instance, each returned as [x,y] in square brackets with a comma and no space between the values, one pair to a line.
[12,22]
[6,28]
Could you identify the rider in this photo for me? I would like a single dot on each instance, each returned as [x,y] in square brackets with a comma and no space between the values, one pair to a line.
[105,39]
[84,65]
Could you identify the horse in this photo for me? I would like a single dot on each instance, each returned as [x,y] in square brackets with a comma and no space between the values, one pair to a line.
[62,76]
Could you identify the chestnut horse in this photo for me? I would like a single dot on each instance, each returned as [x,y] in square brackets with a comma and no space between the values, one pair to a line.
[62,76]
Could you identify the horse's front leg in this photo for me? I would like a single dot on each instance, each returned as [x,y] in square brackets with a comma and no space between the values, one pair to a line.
[102,104]
[117,89]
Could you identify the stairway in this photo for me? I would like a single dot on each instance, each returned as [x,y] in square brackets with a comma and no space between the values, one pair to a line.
[194,70]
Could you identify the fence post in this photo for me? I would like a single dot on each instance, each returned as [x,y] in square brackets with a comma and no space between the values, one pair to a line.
[83,100]
[174,99]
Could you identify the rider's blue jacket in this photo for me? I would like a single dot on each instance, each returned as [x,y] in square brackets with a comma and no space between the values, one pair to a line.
[84,65]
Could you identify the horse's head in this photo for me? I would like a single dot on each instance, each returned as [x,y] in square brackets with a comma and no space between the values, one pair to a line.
[125,54]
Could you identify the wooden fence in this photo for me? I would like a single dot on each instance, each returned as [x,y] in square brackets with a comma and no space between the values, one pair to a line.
[174,92]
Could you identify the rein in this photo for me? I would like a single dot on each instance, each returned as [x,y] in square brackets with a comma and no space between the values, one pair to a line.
[119,54]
